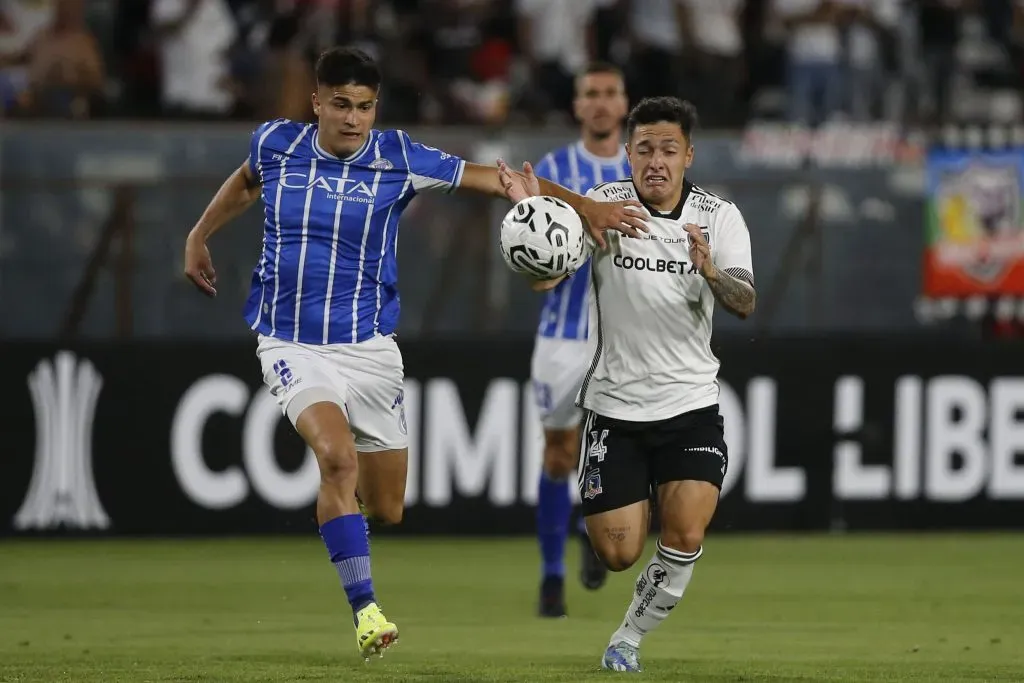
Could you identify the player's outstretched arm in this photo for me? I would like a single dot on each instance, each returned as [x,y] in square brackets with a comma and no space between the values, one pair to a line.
[238,193]
[515,186]
[734,291]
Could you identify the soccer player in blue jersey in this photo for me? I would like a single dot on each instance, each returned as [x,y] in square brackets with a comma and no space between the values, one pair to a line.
[324,299]
[560,356]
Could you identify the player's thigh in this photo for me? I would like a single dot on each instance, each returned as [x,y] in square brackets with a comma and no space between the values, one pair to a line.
[689,460]
[614,484]
[618,535]
[382,478]
[309,395]
[324,427]
[375,374]
[557,370]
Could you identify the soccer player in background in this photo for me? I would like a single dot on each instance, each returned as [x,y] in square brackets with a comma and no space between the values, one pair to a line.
[560,356]
[652,425]
[324,300]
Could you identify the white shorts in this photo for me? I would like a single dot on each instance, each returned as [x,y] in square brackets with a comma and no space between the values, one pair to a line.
[557,372]
[365,380]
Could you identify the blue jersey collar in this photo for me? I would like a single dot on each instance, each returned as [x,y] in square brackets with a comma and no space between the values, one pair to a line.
[327,155]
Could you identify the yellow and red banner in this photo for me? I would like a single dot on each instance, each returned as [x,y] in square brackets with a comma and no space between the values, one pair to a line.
[975,223]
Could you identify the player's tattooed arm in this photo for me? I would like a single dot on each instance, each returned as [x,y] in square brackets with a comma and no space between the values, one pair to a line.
[733,292]
[733,288]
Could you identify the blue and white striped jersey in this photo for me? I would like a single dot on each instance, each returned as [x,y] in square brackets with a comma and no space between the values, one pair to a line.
[328,272]
[564,315]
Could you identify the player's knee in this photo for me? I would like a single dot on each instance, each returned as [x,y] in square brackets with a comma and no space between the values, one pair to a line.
[558,464]
[617,550]
[385,511]
[686,539]
[338,462]
[617,558]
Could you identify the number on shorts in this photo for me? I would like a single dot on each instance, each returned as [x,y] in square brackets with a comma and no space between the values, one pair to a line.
[283,371]
[542,394]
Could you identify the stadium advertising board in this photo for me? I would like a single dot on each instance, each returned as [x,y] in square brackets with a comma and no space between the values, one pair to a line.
[974,223]
[154,438]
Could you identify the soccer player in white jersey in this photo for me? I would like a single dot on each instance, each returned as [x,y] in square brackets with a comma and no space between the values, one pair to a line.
[324,297]
[560,358]
[652,425]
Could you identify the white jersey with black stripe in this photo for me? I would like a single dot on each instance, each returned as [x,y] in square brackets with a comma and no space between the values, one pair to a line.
[651,310]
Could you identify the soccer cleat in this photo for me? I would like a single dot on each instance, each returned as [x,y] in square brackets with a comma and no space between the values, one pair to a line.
[592,571]
[621,657]
[374,633]
[552,597]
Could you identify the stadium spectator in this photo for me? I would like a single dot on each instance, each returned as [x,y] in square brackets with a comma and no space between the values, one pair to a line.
[66,74]
[194,37]
[717,52]
[815,83]
[20,22]
[870,55]
[655,48]
[556,39]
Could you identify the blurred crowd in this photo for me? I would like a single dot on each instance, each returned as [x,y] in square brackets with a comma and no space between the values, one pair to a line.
[494,61]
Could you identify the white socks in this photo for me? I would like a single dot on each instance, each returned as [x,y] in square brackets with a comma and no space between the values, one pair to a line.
[659,588]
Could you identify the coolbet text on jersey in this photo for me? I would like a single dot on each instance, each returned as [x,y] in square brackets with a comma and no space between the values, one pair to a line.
[328,272]
[564,315]
[652,310]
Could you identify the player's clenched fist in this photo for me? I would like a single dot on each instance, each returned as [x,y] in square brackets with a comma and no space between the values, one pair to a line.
[700,251]
[199,266]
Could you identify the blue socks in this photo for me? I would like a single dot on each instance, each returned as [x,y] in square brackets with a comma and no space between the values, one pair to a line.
[349,549]
[553,509]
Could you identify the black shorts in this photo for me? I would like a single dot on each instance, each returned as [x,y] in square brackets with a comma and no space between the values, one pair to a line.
[622,462]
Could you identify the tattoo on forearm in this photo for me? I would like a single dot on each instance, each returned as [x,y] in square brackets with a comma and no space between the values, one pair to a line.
[616,533]
[733,289]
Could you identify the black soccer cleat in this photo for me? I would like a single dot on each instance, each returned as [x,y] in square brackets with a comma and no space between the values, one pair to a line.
[552,597]
[592,571]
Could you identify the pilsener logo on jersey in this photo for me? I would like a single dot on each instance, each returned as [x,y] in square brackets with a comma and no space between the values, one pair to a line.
[339,189]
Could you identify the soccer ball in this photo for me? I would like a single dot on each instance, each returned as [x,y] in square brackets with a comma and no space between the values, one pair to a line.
[543,238]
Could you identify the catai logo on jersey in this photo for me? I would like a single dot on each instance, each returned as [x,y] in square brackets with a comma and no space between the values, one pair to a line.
[339,189]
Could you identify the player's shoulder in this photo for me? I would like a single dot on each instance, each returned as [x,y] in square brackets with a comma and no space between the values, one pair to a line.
[704,200]
[403,150]
[276,130]
[716,209]
[613,191]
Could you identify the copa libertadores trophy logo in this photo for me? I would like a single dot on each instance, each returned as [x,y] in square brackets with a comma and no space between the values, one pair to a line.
[64,394]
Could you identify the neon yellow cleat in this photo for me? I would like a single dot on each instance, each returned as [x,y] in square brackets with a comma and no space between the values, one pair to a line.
[374,633]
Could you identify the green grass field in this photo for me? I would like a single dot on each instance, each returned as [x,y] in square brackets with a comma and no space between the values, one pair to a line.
[765,608]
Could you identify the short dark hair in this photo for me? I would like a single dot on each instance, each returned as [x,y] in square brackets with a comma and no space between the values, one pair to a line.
[599,67]
[347,66]
[663,109]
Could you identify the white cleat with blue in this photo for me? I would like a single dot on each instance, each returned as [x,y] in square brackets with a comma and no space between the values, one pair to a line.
[621,657]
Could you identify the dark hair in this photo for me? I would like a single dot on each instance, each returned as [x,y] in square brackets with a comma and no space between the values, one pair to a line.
[663,109]
[347,66]
[599,67]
